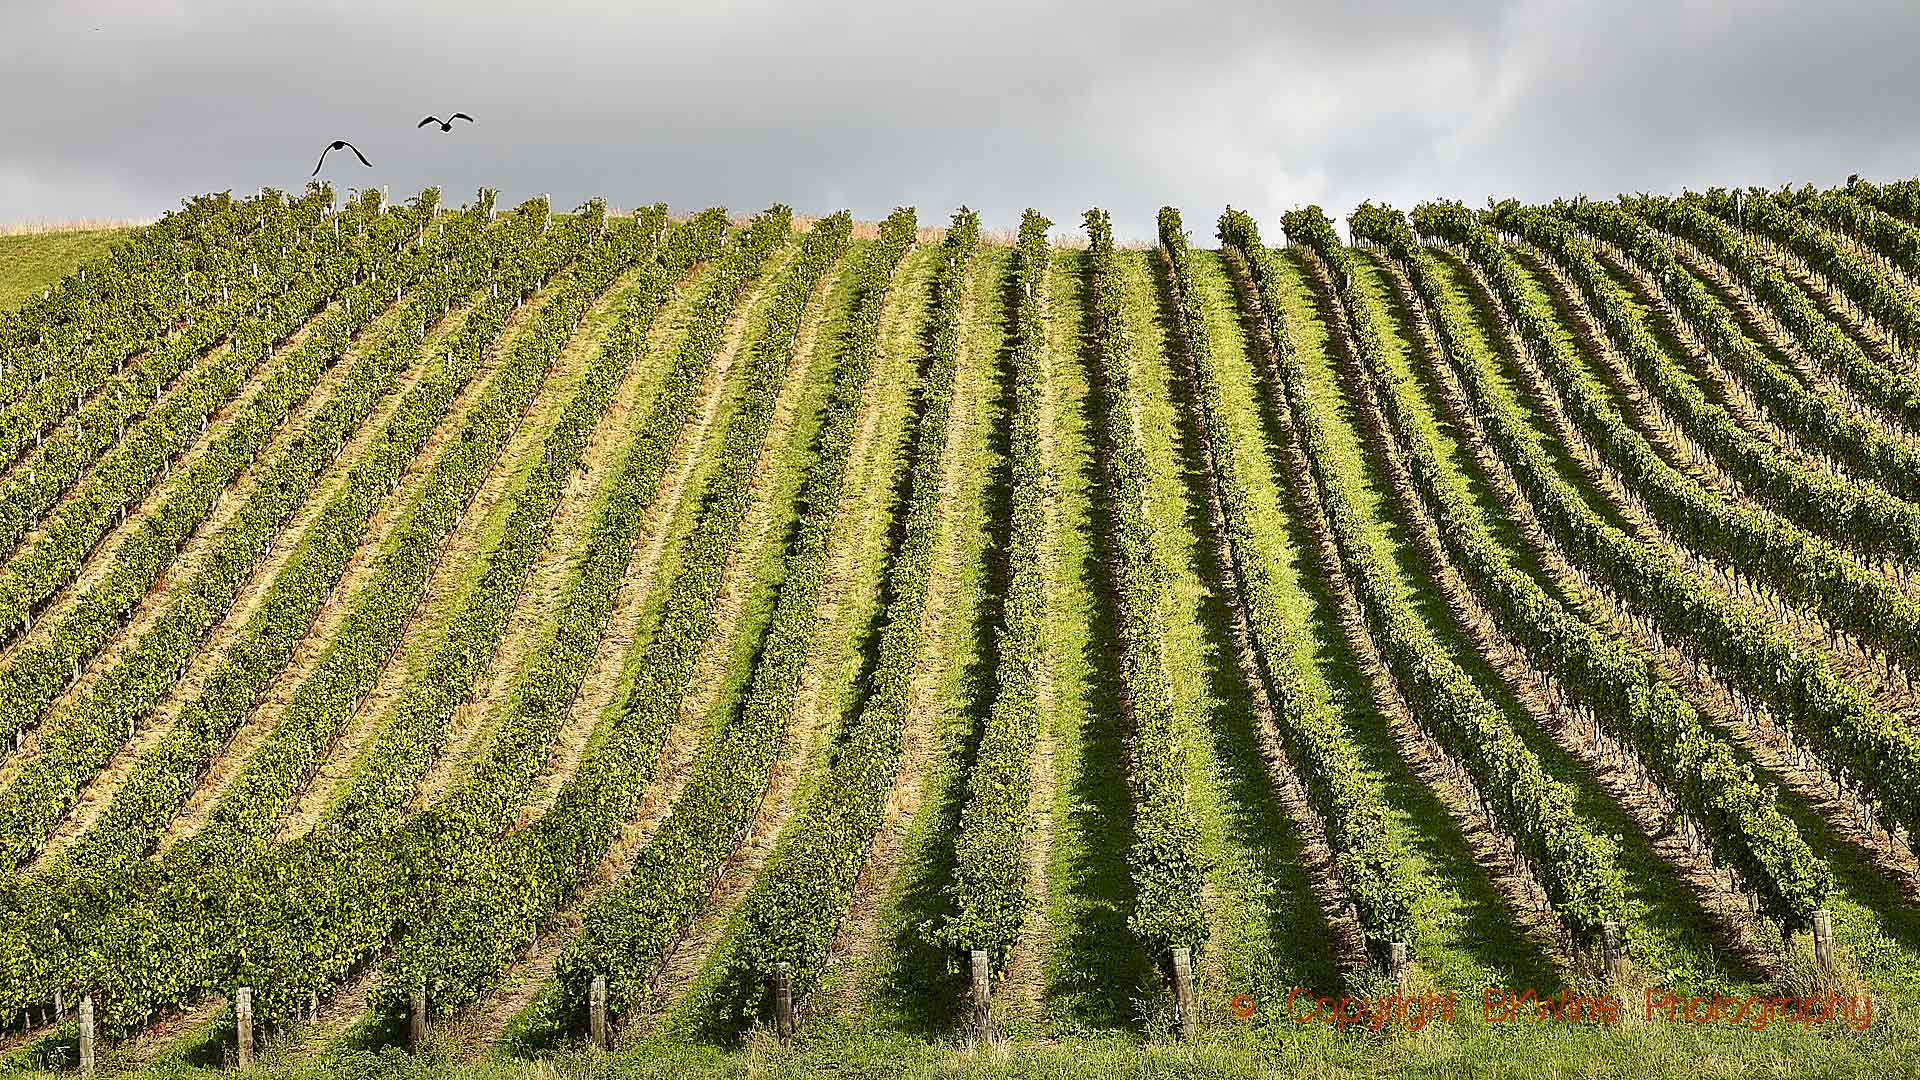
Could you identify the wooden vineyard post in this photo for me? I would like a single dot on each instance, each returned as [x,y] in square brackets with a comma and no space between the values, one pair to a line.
[1610,942]
[1183,1017]
[982,982]
[1397,963]
[417,1019]
[243,1026]
[1823,941]
[780,982]
[597,1013]
[86,1035]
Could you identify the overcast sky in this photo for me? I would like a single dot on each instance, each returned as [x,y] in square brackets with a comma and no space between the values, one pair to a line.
[122,108]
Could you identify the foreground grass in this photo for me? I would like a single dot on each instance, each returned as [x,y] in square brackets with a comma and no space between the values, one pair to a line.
[1543,1049]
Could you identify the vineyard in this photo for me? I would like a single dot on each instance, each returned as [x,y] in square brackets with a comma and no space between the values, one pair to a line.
[492,633]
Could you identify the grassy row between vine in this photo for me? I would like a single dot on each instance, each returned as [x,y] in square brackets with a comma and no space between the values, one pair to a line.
[97,724]
[1577,867]
[1831,716]
[173,943]
[1169,908]
[482,904]
[115,447]
[64,349]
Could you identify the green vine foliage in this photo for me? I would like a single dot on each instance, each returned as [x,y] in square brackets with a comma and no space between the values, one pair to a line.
[1876,215]
[540,868]
[1857,515]
[791,908]
[630,929]
[1700,770]
[114,305]
[1895,393]
[1367,857]
[87,734]
[989,894]
[127,437]
[1169,875]
[183,283]
[206,911]
[1789,218]
[1577,867]
[1829,715]
[1847,439]
[152,792]
[1797,565]
[1861,446]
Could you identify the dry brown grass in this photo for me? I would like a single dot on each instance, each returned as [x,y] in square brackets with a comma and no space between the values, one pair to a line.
[72,225]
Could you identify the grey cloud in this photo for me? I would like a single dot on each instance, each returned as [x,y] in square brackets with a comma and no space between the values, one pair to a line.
[1128,104]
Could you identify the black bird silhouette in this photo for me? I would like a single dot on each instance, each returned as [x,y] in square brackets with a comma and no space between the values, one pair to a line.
[341,144]
[445,125]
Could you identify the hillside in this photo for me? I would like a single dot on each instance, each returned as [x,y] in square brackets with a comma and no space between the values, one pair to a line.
[462,616]
[31,262]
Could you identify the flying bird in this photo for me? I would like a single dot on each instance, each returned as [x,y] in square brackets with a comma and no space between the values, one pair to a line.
[341,144]
[445,125]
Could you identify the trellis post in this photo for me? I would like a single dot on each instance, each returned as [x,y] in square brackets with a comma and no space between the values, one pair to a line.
[597,1013]
[417,1018]
[86,1035]
[1183,1017]
[781,983]
[1823,940]
[982,983]
[243,1026]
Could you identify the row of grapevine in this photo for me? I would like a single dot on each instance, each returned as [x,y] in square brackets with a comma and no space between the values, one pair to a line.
[32,676]
[1576,866]
[1831,716]
[629,929]
[335,688]
[1894,393]
[1856,514]
[212,894]
[330,693]
[1170,908]
[399,753]
[143,295]
[819,877]
[1859,445]
[1796,565]
[118,415]
[988,893]
[97,724]
[146,450]
[1367,857]
[72,309]
[1700,770]
[387,880]
[1880,216]
[480,899]
[1864,286]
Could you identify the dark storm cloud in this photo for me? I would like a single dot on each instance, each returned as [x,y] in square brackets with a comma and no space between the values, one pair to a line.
[1126,104]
